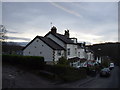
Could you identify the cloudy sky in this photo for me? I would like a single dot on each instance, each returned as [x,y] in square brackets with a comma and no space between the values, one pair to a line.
[93,22]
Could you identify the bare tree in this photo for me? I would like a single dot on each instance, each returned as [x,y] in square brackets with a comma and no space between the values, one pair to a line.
[2,33]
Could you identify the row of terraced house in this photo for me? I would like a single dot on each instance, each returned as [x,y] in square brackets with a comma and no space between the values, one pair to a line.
[53,46]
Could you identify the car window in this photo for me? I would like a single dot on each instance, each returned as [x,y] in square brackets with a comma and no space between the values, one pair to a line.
[105,69]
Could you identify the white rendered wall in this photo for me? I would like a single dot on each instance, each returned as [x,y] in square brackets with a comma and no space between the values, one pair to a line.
[41,50]
[72,51]
[90,56]
[82,53]
[58,56]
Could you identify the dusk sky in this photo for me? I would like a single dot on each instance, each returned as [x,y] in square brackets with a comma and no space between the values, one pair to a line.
[93,22]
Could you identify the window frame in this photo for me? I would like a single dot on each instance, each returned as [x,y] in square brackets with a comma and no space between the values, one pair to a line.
[78,54]
[75,50]
[68,51]
[59,53]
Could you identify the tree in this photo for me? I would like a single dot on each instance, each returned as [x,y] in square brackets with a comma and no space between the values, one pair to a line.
[2,33]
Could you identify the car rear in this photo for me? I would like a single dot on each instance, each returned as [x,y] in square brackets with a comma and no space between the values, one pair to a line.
[105,72]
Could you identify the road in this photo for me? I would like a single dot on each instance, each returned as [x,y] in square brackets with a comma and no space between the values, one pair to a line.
[15,78]
[98,82]
[102,82]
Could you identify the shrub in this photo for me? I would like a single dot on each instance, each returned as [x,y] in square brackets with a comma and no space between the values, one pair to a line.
[105,63]
[62,61]
[32,62]
[66,73]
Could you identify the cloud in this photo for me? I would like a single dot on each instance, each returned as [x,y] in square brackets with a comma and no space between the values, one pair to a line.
[91,21]
[60,1]
[18,38]
[66,10]
[12,32]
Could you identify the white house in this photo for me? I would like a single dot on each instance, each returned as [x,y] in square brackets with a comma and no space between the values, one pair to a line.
[54,45]
[90,57]
[65,41]
[43,46]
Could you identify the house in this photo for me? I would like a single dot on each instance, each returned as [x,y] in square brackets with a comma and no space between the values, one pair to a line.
[44,46]
[54,45]
[63,40]
[90,57]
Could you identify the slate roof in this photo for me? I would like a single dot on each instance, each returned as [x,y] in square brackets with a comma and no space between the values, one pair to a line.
[62,38]
[48,41]
[51,43]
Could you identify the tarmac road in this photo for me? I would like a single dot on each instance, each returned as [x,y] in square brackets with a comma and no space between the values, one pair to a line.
[97,82]
[105,82]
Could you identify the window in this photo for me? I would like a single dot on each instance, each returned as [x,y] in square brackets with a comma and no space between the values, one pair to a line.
[71,64]
[59,53]
[35,46]
[75,50]
[29,52]
[68,51]
[42,45]
[78,54]
[78,63]
[40,52]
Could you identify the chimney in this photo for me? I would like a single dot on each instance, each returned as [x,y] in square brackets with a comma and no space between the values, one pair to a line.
[54,30]
[67,33]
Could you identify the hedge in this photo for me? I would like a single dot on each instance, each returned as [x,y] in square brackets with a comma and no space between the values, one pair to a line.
[32,62]
[66,73]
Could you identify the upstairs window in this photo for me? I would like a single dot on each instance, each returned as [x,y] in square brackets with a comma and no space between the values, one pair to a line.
[78,54]
[75,50]
[59,53]
[68,51]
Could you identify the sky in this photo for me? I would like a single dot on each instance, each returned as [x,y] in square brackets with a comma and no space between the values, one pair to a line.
[91,22]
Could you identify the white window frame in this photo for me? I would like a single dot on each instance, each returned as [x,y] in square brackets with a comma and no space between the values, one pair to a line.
[68,51]
[59,53]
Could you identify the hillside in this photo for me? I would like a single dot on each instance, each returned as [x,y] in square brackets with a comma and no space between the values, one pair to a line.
[11,48]
[107,49]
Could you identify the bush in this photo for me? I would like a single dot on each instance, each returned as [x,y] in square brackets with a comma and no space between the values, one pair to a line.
[66,73]
[32,62]
[105,64]
[63,61]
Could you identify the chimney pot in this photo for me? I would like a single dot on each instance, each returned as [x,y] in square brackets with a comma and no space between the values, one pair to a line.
[54,29]
[67,33]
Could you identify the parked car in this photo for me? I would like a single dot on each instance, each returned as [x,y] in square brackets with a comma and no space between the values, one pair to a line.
[105,72]
[111,66]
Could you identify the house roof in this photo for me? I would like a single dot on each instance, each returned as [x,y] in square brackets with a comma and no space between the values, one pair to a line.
[61,37]
[47,41]
[51,43]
